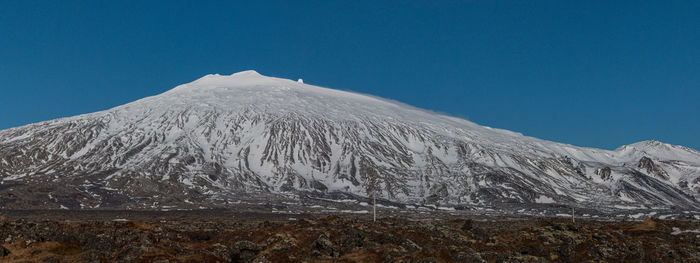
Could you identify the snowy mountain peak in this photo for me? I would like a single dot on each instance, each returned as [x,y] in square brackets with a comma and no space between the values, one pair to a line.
[248,78]
[652,143]
[241,74]
[249,73]
[659,150]
[223,137]
[658,145]
[248,90]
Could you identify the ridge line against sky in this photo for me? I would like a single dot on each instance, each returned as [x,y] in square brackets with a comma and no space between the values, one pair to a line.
[587,73]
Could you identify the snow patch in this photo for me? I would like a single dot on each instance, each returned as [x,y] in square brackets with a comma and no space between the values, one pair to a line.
[543,199]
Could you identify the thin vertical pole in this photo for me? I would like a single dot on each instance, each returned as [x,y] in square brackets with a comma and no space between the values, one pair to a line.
[573,215]
[375,205]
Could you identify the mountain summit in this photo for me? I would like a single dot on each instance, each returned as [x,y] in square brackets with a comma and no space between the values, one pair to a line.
[220,139]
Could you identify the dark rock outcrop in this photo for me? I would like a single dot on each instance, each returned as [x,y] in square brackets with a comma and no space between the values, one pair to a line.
[604,173]
[650,167]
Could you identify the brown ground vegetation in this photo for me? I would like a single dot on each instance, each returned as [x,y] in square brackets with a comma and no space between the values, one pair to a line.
[259,238]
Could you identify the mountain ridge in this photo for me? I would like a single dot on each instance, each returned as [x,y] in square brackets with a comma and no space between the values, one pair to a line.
[222,137]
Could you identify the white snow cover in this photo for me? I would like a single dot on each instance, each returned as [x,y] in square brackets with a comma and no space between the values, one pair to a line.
[248,88]
[246,131]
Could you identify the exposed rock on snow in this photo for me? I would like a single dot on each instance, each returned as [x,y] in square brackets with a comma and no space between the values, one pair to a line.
[220,138]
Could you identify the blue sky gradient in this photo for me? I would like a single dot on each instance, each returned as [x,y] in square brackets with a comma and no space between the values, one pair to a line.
[588,73]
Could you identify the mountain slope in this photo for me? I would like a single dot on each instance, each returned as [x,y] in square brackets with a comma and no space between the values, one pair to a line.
[222,138]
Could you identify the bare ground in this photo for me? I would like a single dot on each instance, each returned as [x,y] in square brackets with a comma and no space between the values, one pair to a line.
[229,236]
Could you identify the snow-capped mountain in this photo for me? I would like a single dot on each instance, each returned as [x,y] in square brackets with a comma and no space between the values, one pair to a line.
[222,138]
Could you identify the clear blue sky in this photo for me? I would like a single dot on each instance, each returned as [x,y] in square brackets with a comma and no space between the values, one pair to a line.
[589,73]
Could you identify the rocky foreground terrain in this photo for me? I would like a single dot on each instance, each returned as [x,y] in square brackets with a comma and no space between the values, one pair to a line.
[224,236]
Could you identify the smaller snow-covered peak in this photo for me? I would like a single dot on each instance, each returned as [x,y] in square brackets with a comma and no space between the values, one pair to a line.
[652,144]
[659,150]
